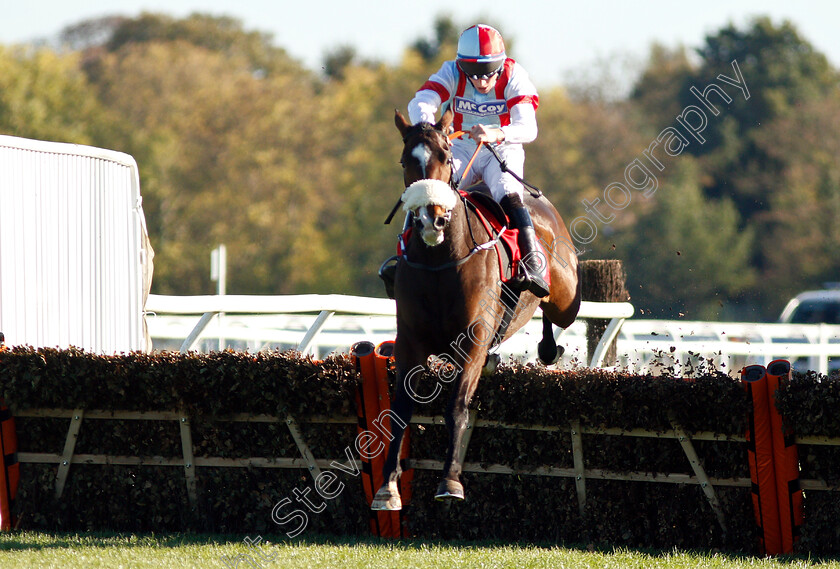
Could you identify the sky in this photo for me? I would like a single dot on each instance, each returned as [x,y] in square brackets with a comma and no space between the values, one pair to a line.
[556,40]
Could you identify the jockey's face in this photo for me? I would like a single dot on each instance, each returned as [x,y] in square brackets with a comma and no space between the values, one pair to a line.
[483,86]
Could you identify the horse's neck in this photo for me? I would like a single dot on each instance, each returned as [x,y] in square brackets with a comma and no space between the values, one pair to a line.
[464,232]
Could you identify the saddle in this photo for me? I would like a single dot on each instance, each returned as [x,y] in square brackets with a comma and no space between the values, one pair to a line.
[494,219]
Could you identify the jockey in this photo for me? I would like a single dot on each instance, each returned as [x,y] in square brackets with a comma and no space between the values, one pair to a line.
[494,102]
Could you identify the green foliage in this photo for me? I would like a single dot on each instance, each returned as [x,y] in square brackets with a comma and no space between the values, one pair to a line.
[534,508]
[782,71]
[656,94]
[45,96]
[223,35]
[444,41]
[688,249]
[802,233]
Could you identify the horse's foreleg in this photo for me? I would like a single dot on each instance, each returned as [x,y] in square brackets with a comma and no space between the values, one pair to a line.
[388,496]
[457,419]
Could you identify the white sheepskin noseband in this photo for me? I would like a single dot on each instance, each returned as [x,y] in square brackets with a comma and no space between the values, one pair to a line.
[429,192]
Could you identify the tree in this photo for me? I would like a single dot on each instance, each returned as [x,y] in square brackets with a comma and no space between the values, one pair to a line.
[338,60]
[687,257]
[781,71]
[783,81]
[44,95]
[655,97]
[223,157]
[800,241]
[90,34]
[446,36]
[220,34]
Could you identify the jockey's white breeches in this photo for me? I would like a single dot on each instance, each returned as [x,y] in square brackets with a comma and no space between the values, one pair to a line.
[486,167]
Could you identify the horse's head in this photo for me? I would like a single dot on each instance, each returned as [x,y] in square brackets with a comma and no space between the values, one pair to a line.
[431,202]
[427,170]
[426,153]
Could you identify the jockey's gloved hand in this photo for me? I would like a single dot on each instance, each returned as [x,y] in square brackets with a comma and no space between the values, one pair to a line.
[487,134]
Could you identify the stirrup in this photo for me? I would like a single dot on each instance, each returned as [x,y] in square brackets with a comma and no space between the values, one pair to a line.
[538,286]
[532,282]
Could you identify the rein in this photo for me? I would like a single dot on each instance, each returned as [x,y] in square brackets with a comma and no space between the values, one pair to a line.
[532,189]
[458,134]
[454,184]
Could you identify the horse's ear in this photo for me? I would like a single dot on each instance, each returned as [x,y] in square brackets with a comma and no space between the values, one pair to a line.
[402,124]
[445,121]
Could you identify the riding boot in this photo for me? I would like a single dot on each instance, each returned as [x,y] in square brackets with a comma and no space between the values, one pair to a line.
[388,270]
[388,274]
[532,263]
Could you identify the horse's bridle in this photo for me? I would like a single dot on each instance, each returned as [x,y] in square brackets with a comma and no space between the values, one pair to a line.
[453,183]
[458,262]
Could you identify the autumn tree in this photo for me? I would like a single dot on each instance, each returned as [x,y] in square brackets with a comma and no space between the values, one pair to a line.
[223,155]
[687,257]
[656,94]
[781,71]
[800,244]
[45,96]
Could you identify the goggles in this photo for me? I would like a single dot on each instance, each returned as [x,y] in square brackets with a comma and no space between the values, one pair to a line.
[485,76]
[480,70]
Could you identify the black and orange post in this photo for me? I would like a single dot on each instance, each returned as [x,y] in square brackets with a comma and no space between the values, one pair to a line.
[372,402]
[785,459]
[10,469]
[760,450]
[773,460]
[384,359]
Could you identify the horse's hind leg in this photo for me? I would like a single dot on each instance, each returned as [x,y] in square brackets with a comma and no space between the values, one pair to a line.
[548,350]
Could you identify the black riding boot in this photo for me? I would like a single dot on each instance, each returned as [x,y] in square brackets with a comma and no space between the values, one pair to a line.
[388,274]
[388,270]
[531,267]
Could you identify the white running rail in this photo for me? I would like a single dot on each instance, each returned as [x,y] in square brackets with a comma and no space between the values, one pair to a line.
[319,324]
[648,345]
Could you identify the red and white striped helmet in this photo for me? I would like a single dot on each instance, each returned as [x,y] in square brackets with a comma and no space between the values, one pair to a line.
[481,51]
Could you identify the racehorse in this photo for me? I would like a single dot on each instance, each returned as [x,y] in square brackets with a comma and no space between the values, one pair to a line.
[450,299]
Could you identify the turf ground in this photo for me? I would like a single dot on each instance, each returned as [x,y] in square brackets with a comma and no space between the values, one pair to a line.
[24,550]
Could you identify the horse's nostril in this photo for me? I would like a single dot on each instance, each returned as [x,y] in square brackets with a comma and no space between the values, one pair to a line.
[440,223]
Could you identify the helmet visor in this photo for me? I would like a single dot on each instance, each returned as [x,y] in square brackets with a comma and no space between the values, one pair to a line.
[480,69]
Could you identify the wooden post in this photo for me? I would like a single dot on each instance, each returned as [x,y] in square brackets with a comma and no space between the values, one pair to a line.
[67,454]
[602,281]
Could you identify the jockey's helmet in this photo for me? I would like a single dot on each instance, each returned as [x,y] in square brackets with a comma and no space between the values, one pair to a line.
[481,51]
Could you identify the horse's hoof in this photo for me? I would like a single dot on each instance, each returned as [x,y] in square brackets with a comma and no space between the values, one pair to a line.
[549,352]
[386,500]
[490,365]
[450,490]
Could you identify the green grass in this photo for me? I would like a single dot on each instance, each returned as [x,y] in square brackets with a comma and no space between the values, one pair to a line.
[41,550]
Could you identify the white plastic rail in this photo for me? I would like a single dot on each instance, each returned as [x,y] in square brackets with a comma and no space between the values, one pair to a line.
[328,305]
